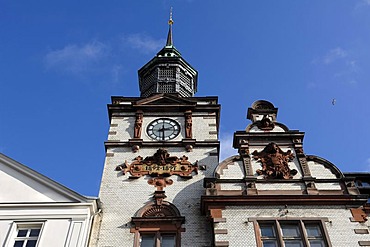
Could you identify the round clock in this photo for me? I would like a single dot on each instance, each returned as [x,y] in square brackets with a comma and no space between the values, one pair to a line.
[163,129]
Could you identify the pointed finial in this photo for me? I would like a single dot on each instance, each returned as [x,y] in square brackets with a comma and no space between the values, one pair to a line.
[169,36]
[170,21]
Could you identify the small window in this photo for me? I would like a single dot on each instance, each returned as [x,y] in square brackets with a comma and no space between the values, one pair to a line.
[291,233]
[168,240]
[27,235]
[147,240]
[157,239]
[268,235]
[314,235]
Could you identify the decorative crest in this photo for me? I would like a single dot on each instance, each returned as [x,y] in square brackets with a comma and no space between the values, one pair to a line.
[274,162]
[160,165]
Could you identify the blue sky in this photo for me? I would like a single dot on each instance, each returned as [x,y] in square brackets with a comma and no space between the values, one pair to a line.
[61,61]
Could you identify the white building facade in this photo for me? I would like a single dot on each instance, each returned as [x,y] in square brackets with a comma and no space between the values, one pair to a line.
[37,211]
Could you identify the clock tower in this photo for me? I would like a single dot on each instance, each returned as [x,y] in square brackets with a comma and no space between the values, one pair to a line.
[160,147]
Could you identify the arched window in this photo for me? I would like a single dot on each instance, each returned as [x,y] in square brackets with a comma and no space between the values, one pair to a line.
[158,224]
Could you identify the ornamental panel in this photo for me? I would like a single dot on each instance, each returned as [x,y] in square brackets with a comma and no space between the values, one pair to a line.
[274,162]
[161,164]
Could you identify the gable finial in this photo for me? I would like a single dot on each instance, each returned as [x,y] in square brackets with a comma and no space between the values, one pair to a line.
[169,36]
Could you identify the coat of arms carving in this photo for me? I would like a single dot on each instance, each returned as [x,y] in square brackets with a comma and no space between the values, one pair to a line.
[274,162]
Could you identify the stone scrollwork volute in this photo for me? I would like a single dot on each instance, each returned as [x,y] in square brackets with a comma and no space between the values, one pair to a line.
[274,162]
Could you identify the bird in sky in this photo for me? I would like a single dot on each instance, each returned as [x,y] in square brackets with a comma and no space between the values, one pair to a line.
[333,101]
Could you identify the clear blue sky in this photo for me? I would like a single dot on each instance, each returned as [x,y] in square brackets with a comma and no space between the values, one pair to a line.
[60,61]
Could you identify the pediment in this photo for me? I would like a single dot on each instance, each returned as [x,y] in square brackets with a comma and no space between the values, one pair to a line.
[21,184]
[164,99]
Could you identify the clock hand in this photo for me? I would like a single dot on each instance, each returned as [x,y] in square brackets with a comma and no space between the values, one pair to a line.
[163,131]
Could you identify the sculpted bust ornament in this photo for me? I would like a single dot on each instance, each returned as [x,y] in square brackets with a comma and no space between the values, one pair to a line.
[265,123]
[274,162]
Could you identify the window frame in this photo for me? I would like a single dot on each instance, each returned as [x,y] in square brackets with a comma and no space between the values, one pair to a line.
[158,237]
[299,222]
[157,226]
[159,217]
[22,225]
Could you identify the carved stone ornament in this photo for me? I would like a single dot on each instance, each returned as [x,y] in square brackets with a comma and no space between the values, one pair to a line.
[160,182]
[158,208]
[297,140]
[265,123]
[135,148]
[351,184]
[158,211]
[188,124]
[304,165]
[262,105]
[189,148]
[274,162]
[251,185]
[244,150]
[138,124]
[247,165]
[161,164]
[299,150]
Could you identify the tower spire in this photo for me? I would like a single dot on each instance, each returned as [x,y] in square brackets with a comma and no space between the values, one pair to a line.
[169,36]
[168,72]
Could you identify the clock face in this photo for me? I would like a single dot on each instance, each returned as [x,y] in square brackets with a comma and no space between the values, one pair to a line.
[163,129]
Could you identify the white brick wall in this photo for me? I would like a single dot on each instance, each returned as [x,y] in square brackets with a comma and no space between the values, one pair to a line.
[319,170]
[280,186]
[204,127]
[233,170]
[328,186]
[124,128]
[232,186]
